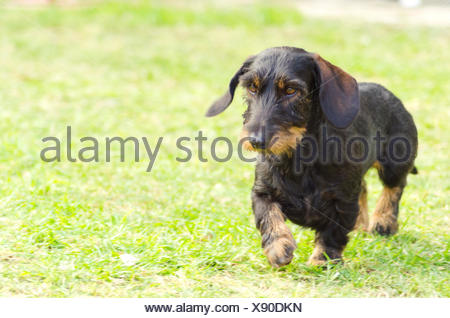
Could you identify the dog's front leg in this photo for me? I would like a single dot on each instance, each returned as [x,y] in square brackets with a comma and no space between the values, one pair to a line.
[277,240]
[331,239]
[326,248]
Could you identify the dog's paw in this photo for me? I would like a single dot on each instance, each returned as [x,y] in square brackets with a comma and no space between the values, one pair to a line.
[322,262]
[281,251]
[321,258]
[384,225]
[314,261]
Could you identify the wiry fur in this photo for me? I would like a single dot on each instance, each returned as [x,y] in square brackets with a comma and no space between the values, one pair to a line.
[325,195]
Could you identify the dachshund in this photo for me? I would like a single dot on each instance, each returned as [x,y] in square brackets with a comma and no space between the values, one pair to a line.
[317,131]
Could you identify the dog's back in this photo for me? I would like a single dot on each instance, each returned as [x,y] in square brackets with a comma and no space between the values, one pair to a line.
[386,110]
[383,116]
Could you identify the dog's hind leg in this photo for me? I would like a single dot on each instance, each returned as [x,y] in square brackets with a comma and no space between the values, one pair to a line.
[362,222]
[385,218]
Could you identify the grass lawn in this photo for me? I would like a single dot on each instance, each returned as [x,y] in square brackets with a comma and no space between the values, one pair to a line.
[148,70]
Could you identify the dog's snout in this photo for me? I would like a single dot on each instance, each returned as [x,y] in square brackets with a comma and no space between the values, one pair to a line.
[257,141]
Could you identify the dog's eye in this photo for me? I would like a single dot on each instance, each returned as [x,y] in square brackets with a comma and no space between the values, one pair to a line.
[290,91]
[252,88]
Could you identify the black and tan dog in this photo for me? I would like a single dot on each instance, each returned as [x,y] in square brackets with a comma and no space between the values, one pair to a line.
[317,132]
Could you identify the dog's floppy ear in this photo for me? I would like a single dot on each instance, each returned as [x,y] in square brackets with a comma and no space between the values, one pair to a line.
[222,103]
[338,93]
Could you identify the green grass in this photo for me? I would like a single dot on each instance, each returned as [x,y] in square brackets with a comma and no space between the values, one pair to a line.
[149,70]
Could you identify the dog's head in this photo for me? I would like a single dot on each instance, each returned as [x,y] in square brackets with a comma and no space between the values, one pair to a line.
[285,87]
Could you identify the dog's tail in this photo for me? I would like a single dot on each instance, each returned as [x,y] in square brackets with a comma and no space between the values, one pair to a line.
[414,170]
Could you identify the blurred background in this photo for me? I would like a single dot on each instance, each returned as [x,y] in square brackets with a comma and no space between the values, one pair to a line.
[430,12]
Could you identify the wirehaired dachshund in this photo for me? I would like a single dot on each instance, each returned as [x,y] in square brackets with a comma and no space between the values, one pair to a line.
[317,132]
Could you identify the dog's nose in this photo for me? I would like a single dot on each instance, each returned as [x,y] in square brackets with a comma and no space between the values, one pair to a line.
[257,142]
